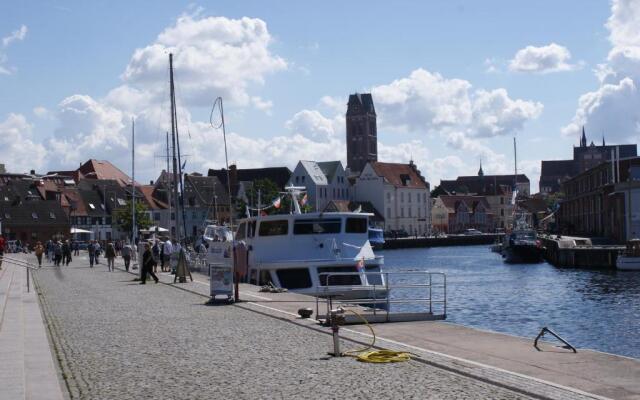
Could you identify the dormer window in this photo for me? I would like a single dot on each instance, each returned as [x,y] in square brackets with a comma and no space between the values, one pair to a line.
[34,215]
[92,206]
[406,180]
[52,215]
[7,216]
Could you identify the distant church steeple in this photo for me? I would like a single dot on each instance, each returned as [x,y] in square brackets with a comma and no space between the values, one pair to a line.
[603,144]
[583,140]
[480,171]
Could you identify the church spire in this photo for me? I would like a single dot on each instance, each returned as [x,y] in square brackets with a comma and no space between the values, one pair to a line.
[480,171]
[603,144]
[583,140]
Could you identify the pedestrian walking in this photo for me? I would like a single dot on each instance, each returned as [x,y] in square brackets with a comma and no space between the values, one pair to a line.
[39,250]
[155,252]
[76,248]
[167,249]
[57,254]
[147,265]
[110,254]
[126,255]
[91,249]
[98,251]
[66,253]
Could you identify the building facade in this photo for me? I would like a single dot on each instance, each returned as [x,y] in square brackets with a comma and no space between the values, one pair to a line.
[400,194]
[362,132]
[465,212]
[603,201]
[324,182]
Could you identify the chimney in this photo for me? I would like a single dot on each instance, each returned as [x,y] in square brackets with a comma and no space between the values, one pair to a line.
[33,172]
[151,182]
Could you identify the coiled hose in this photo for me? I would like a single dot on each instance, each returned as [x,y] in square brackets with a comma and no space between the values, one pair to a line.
[376,356]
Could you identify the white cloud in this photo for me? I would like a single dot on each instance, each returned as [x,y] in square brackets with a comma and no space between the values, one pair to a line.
[543,59]
[41,112]
[614,107]
[18,150]
[213,56]
[17,35]
[427,102]
[312,124]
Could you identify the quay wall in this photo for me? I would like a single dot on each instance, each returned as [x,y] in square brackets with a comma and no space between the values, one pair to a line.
[580,256]
[457,240]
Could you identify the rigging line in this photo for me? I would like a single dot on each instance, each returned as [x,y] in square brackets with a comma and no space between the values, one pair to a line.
[218,103]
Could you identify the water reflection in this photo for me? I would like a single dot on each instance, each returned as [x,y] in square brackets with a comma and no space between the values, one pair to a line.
[597,309]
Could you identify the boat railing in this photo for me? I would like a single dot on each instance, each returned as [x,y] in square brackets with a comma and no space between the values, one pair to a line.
[387,293]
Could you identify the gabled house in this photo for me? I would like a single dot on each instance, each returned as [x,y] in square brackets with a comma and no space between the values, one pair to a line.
[324,182]
[467,212]
[399,192]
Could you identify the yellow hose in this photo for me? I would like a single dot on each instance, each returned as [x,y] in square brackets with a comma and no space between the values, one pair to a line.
[376,356]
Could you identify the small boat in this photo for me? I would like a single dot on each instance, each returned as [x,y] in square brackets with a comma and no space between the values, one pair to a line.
[630,259]
[522,246]
[376,238]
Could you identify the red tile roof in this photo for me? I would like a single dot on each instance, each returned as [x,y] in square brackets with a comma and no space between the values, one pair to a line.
[400,175]
[100,169]
[153,203]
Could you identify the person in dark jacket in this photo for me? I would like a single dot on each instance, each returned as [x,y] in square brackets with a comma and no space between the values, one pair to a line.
[91,249]
[110,254]
[66,253]
[147,265]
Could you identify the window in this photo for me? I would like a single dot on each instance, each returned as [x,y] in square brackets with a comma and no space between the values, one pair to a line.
[409,196]
[294,278]
[410,212]
[388,196]
[316,226]
[52,215]
[302,179]
[274,228]
[34,215]
[388,212]
[324,273]
[356,225]
[102,206]
[297,179]
[91,206]
[401,212]
[251,228]
[401,197]
[156,216]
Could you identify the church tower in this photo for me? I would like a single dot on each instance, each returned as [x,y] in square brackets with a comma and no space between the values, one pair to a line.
[480,171]
[583,139]
[362,132]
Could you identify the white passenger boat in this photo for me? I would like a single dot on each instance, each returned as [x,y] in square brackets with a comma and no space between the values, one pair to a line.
[630,259]
[313,253]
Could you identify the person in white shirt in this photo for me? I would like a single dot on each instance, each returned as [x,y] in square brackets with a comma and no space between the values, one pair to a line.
[167,249]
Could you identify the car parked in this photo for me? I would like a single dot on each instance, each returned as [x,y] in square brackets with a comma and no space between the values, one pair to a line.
[472,232]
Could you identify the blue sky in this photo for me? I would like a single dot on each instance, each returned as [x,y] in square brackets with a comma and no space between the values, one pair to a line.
[285,100]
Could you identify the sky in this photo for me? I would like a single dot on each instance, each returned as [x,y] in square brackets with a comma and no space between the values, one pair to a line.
[453,82]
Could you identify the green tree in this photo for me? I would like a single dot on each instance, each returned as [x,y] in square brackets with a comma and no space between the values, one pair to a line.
[123,217]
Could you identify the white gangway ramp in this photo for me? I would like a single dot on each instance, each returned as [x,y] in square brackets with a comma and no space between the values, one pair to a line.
[27,369]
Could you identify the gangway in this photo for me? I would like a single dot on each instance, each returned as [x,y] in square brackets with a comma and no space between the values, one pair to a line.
[397,296]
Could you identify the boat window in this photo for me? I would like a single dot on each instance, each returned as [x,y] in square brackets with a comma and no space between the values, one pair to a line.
[274,228]
[240,234]
[373,279]
[356,225]
[294,278]
[353,279]
[316,226]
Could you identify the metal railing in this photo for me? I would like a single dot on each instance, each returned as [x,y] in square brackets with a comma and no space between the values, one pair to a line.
[427,288]
[545,330]
[21,263]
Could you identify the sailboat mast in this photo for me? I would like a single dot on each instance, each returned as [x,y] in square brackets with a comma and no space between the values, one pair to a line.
[173,142]
[180,181]
[167,185]
[133,181]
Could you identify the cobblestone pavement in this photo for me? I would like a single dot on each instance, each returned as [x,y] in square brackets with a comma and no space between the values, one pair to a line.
[117,339]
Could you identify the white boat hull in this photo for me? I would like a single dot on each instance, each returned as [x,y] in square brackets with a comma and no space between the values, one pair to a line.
[627,263]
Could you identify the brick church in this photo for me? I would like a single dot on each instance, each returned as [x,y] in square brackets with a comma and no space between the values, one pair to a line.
[362,132]
[553,173]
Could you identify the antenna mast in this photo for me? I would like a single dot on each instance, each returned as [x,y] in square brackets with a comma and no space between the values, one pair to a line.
[133,181]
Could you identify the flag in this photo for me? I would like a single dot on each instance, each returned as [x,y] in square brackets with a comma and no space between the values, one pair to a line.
[360,265]
[304,200]
[276,202]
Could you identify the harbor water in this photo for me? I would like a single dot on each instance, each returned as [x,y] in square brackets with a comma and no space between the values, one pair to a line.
[596,309]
